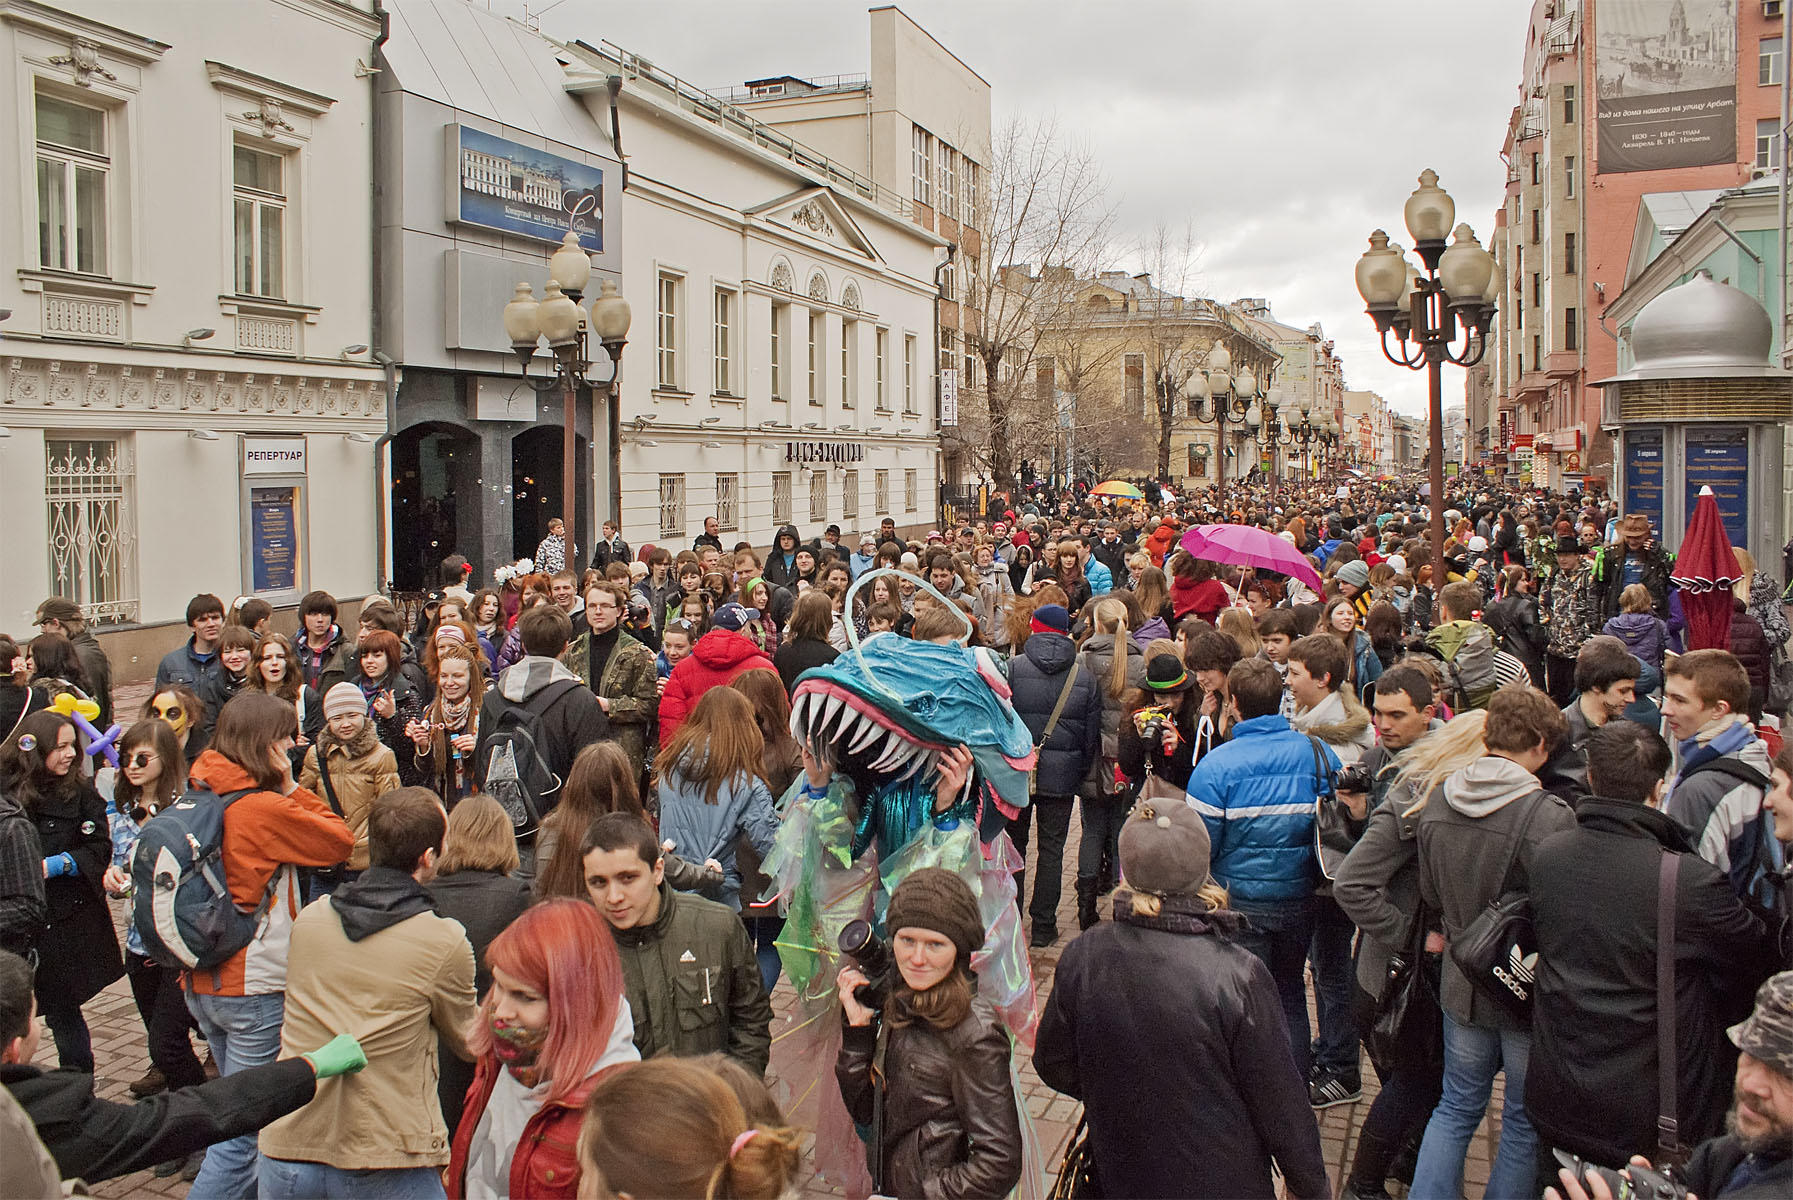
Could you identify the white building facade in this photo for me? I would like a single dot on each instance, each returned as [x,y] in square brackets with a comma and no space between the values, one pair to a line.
[187,389]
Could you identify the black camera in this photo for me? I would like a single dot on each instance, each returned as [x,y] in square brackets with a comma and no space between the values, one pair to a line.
[1644,1184]
[1354,778]
[862,944]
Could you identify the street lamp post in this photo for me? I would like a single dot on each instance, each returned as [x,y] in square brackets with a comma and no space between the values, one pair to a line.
[1230,397]
[560,320]
[1458,287]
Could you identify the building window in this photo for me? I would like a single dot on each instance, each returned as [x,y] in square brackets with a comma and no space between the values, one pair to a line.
[1133,372]
[1768,145]
[1571,330]
[1770,66]
[72,170]
[968,174]
[921,167]
[727,511]
[672,506]
[948,289]
[880,351]
[1537,352]
[946,349]
[909,489]
[949,181]
[849,362]
[815,359]
[781,497]
[968,374]
[1535,170]
[259,197]
[881,492]
[724,303]
[781,314]
[1569,105]
[666,331]
[1569,175]
[1537,224]
[1537,289]
[88,490]
[1569,255]
[818,495]
[849,496]
[909,376]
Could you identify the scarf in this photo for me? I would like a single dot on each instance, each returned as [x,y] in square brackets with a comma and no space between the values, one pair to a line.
[1725,735]
[454,714]
[1179,914]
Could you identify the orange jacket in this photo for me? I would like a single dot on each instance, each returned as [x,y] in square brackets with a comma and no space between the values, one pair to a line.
[266,837]
[1160,542]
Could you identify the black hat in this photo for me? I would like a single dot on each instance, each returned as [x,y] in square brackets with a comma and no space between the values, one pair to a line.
[1165,675]
[1569,544]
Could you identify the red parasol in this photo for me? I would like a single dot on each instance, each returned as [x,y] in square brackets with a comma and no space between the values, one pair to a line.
[1705,571]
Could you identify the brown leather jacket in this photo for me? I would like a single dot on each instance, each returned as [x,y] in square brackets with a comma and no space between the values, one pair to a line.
[950,1125]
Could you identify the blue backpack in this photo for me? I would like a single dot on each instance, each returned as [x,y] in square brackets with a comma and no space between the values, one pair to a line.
[181,905]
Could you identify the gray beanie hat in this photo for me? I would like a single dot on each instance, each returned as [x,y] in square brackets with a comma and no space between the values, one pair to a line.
[1164,848]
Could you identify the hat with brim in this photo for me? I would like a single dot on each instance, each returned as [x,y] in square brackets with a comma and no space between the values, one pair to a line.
[1767,1036]
[1167,676]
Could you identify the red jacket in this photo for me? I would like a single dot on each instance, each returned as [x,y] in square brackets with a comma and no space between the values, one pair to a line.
[546,1164]
[1204,599]
[718,657]
[1160,543]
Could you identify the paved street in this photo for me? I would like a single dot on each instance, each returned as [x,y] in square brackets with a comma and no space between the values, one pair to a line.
[119,1049]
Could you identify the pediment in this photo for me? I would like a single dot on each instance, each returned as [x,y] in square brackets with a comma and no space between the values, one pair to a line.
[816,213]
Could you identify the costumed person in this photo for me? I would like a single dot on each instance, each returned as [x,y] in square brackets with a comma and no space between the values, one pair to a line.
[912,758]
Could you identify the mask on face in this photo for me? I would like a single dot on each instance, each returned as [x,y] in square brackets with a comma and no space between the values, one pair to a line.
[518,1047]
[168,707]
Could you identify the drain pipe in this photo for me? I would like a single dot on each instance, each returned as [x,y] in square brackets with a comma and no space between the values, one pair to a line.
[382,447]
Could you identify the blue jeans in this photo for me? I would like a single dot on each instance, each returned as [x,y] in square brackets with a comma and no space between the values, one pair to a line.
[1471,1059]
[243,1031]
[282,1179]
[1279,933]
[1336,1049]
[764,931]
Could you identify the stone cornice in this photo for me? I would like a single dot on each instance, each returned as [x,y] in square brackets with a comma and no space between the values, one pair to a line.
[109,39]
[247,83]
[47,385]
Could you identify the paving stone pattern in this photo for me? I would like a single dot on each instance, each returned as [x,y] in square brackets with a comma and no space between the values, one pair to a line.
[119,1050]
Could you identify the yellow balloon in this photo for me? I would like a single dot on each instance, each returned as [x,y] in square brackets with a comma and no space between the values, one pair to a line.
[68,706]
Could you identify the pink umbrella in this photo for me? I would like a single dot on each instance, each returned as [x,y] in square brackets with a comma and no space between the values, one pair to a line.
[1249,546]
[1705,570]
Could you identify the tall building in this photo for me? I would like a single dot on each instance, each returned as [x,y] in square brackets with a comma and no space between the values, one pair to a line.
[1622,103]
[1309,380]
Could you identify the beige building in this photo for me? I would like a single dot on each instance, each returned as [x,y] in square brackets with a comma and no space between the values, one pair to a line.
[1310,380]
[1366,434]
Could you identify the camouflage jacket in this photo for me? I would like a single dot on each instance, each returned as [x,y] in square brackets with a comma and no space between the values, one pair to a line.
[631,686]
[1570,610]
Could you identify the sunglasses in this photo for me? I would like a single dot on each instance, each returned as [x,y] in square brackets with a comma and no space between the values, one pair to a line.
[142,759]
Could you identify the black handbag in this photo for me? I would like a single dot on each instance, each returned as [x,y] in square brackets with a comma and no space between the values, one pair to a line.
[1334,830]
[1077,1173]
[1498,951]
[1404,1028]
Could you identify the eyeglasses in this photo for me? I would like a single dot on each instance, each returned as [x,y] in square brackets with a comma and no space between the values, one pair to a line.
[143,758]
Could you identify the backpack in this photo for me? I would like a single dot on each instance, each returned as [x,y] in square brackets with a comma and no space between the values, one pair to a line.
[1470,675]
[180,902]
[515,771]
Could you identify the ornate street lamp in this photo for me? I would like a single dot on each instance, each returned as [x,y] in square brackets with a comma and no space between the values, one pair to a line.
[558,319]
[1230,396]
[1456,289]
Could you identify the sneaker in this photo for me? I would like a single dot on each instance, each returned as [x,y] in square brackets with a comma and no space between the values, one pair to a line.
[151,1083]
[1329,1091]
[195,1160]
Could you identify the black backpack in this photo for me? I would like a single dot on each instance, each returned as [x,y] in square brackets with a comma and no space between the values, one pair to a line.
[181,905]
[514,769]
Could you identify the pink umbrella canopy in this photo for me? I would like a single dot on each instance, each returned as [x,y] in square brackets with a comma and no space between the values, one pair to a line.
[1705,570]
[1249,546]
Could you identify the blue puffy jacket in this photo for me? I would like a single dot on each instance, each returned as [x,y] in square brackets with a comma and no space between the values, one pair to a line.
[699,830]
[1256,794]
[1101,579]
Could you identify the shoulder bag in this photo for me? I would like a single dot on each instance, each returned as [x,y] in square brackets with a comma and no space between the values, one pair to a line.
[1333,832]
[1077,1173]
[1498,951]
[1404,1028]
[1058,710]
[1670,1151]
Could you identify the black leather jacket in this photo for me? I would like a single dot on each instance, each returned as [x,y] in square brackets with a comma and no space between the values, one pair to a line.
[950,1127]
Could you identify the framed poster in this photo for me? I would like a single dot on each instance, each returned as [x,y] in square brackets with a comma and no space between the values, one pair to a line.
[1643,473]
[1719,459]
[517,189]
[274,538]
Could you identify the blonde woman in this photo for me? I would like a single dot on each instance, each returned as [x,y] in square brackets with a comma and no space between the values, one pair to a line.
[1237,624]
[1118,666]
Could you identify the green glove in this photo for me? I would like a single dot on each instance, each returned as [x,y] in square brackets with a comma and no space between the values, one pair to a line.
[339,1056]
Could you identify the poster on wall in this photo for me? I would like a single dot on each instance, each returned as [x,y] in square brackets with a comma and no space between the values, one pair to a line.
[1666,84]
[1643,474]
[274,538]
[1719,459]
[513,188]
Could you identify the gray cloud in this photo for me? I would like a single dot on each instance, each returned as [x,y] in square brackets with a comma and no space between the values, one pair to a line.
[1282,133]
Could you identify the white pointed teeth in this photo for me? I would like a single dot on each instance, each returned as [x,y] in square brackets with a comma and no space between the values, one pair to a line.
[868,733]
[893,751]
[831,709]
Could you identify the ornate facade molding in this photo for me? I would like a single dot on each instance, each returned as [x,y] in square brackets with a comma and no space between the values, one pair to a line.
[811,217]
[72,386]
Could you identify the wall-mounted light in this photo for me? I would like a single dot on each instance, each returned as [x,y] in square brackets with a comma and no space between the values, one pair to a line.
[712,445]
[647,442]
[843,428]
[876,429]
[774,423]
[203,435]
[360,439]
[709,420]
[5,432]
[197,335]
[811,425]
[349,352]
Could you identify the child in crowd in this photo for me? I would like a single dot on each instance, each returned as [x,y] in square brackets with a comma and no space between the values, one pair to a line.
[350,768]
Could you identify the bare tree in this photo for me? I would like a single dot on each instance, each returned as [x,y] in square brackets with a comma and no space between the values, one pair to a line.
[1043,200]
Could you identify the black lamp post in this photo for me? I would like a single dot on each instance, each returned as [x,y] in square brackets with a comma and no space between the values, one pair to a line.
[559,319]
[1458,288]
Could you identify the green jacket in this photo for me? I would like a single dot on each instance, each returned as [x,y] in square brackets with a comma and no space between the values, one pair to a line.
[694,985]
[629,686]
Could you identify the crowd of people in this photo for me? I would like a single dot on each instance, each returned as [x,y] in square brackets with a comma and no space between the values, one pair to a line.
[494,865]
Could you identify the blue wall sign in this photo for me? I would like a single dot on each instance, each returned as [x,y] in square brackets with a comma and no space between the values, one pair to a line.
[1719,459]
[518,189]
[274,538]
[1643,473]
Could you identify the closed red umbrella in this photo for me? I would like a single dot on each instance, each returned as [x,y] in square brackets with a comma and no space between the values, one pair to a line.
[1705,571]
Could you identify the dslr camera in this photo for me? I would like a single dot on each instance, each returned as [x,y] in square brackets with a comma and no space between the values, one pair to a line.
[1150,723]
[862,944]
[1352,778]
[1645,1183]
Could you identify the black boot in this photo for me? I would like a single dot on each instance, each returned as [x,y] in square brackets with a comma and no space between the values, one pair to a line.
[1369,1168]
[1086,902]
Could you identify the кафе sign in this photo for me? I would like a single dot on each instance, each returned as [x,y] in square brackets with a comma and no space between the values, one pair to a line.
[824,452]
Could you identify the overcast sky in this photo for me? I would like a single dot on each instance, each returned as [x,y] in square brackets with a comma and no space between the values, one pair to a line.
[1282,133]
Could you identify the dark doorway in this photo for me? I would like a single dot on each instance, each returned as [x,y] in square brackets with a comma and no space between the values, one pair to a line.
[536,493]
[435,501]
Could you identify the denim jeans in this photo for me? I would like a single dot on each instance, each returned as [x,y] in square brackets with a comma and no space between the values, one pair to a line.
[1279,932]
[764,931]
[1335,1051]
[1472,1057]
[283,1179]
[1054,815]
[243,1031]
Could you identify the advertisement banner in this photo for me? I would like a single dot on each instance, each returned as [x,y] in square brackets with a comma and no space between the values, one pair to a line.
[1719,459]
[1666,84]
[274,538]
[1643,474]
[518,189]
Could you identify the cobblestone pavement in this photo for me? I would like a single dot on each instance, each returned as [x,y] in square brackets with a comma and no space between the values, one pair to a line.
[121,1056]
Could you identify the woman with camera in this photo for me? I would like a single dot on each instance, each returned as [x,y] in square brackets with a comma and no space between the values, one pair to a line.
[1157,734]
[941,1105]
